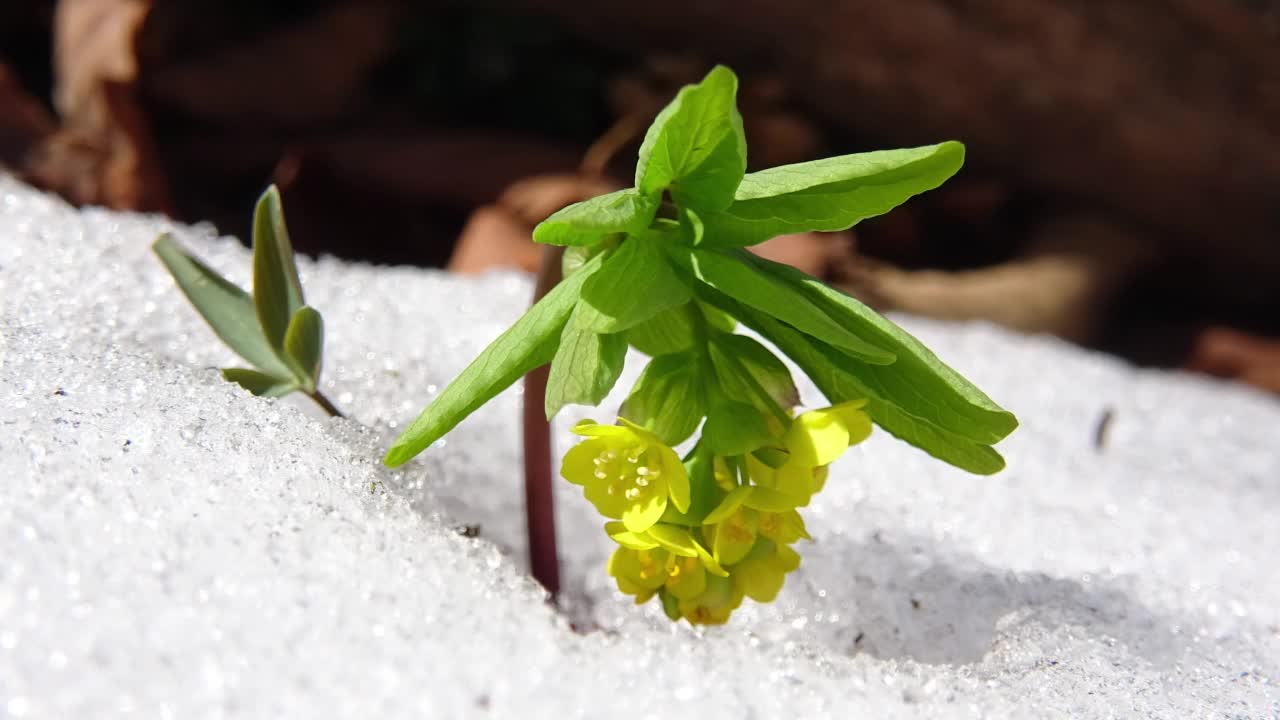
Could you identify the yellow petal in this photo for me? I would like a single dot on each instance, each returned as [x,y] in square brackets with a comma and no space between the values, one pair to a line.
[628,539]
[640,515]
[640,433]
[677,478]
[637,570]
[856,422]
[760,473]
[761,574]
[728,506]
[783,528]
[714,605]
[709,562]
[796,482]
[817,480]
[816,438]
[590,428]
[579,463]
[725,478]
[609,505]
[674,539]
[734,537]
[770,500]
[687,579]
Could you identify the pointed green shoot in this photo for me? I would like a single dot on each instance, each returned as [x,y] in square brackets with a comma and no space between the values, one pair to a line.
[259,383]
[228,309]
[303,345]
[277,291]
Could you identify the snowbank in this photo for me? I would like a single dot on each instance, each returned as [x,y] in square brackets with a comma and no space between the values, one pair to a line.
[173,547]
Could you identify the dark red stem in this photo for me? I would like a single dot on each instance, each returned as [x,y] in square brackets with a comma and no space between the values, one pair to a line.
[540,508]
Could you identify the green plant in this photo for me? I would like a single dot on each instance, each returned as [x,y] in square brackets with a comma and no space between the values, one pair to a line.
[274,330]
[661,267]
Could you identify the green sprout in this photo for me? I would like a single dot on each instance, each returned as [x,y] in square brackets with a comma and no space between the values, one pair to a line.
[274,329]
[661,268]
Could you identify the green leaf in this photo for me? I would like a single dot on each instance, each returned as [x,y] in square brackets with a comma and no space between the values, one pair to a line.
[748,285]
[696,146]
[828,369]
[575,256]
[918,382]
[829,194]
[736,356]
[585,367]
[228,309]
[669,399]
[259,383]
[635,283]
[276,289]
[590,221]
[736,428]
[671,330]
[304,344]
[529,343]
[667,332]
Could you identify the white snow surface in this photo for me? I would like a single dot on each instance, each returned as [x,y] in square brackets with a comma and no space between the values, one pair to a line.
[172,547]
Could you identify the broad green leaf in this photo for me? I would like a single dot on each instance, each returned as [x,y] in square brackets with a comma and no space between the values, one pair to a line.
[667,332]
[695,146]
[829,194]
[259,383]
[918,382]
[736,428]
[529,343]
[276,289]
[669,398]
[738,355]
[585,367]
[228,309]
[671,330]
[575,256]
[635,283]
[746,284]
[304,345]
[590,221]
[829,371]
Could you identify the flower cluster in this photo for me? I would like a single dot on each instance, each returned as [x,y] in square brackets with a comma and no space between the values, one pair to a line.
[705,533]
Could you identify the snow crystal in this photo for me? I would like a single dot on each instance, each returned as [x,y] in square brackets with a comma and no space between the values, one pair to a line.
[173,547]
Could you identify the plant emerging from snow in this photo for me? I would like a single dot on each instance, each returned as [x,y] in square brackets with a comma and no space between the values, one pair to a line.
[273,329]
[661,268]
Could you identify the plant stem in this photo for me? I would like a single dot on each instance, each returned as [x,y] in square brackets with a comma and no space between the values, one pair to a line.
[540,509]
[325,405]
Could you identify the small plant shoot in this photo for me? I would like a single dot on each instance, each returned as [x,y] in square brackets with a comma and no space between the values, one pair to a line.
[273,329]
[662,268]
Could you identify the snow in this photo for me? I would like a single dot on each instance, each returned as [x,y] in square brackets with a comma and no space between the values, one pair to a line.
[173,547]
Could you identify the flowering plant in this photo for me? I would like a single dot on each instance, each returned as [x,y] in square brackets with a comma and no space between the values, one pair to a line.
[660,267]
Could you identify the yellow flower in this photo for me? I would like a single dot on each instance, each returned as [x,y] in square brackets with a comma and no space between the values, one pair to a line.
[644,564]
[674,539]
[639,572]
[714,604]
[783,528]
[627,473]
[761,573]
[642,572]
[814,440]
[746,512]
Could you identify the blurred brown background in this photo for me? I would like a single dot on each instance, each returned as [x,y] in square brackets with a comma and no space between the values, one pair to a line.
[1122,187]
